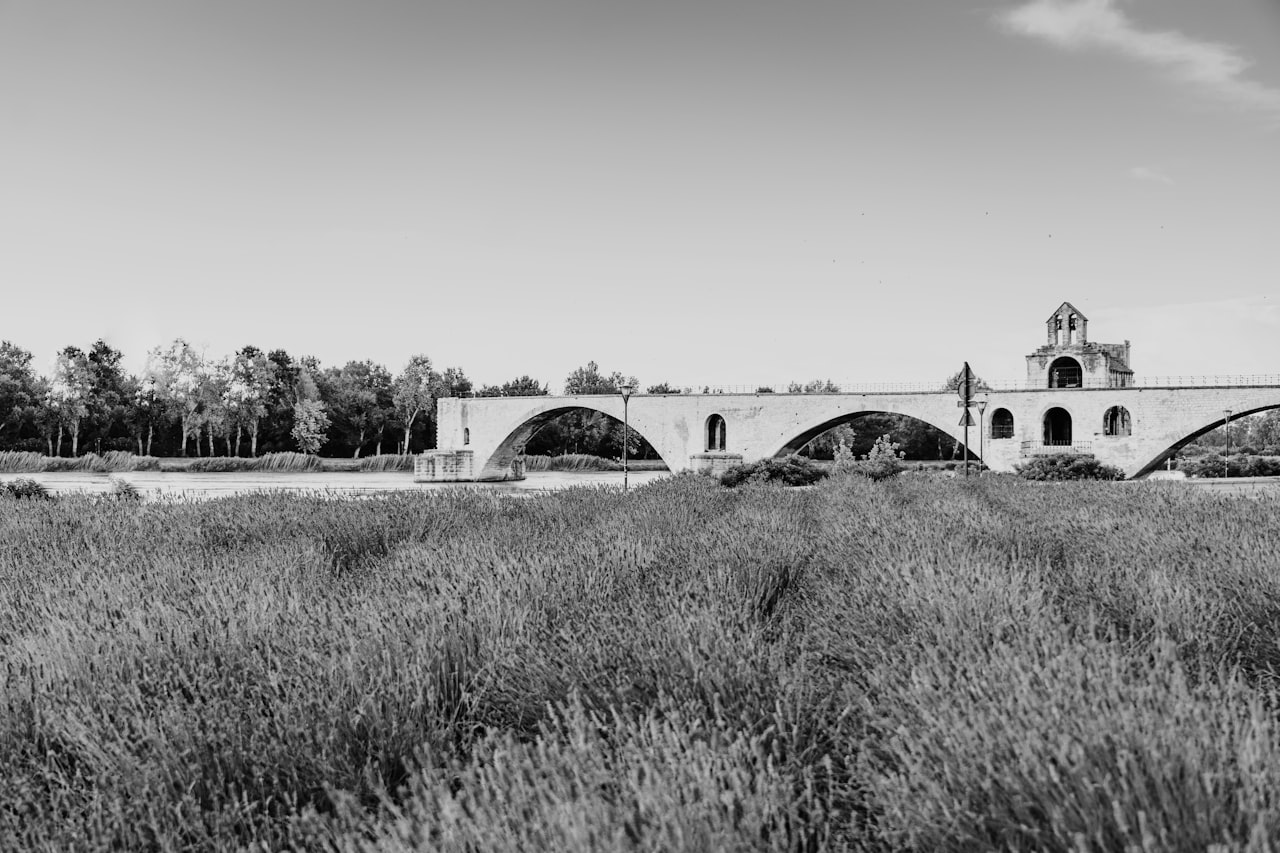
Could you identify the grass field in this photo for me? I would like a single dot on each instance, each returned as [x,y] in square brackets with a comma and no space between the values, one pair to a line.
[917,664]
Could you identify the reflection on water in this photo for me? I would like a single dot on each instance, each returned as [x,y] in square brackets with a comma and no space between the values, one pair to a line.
[155,484]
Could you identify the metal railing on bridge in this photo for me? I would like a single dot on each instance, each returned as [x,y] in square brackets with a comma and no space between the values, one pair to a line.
[859,387]
[1052,448]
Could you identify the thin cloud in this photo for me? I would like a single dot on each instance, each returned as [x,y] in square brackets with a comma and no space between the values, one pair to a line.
[1218,70]
[1150,173]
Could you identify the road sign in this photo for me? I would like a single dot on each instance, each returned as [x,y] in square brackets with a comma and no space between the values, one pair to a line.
[964,386]
[966,420]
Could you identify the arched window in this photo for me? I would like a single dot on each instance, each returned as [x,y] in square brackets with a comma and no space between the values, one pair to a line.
[466,435]
[1057,427]
[1116,421]
[715,433]
[1002,423]
[1065,373]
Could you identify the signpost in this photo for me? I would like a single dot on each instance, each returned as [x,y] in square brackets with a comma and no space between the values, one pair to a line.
[965,389]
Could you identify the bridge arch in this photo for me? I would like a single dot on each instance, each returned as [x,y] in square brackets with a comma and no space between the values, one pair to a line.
[499,460]
[1217,422]
[809,433]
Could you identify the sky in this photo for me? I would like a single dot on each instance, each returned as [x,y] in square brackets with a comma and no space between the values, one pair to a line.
[733,192]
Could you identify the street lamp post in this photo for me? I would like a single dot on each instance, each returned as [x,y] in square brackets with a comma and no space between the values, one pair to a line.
[982,429]
[626,391]
[1226,460]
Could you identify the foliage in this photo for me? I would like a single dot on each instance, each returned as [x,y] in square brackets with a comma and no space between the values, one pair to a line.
[882,462]
[662,388]
[937,666]
[815,386]
[413,393]
[976,382]
[523,386]
[1237,465]
[25,487]
[1067,466]
[309,425]
[789,471]
[388,462]
[589,380]
[570,462]
[124,490]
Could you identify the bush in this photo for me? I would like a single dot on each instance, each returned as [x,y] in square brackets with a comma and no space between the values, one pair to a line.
[790,471]
[124,490]
[1067,466]
[25,487]
[1239,465]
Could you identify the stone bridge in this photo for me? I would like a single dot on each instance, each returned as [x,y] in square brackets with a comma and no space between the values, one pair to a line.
[1135,429]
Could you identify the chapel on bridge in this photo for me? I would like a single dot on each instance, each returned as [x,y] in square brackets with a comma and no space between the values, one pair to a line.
[1069,359]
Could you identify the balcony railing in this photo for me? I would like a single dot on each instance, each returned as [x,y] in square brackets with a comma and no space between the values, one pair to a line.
[1044,448]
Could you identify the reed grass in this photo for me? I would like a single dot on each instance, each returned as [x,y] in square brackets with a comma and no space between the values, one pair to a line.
[570,462]
[917,664]
[113,461]
[388,462]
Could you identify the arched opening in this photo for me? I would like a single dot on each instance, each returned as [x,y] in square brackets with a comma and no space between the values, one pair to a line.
[1001,424]
[1116,422]
[1065,372]
[918,439]
[570,430]
[715,433]
[1213,438]
[466,436]
[1057,427]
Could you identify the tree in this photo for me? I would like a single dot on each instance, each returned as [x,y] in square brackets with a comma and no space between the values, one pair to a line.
[977,383]
[309,425]
[524,386]
[589,380]
[144,411]
[19,396]
[359,397]
[662,388]
[109,398]
[70,388]
[178,373]
[413,392]
[216,405]
[253,376]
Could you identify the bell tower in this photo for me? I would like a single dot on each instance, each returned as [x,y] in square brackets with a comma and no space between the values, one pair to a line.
[1069,359]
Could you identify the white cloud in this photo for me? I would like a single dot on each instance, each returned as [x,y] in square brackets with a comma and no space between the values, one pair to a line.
[1150,173]
[1218,70]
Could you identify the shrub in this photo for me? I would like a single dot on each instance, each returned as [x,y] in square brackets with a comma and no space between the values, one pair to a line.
[789,471]
[884,460]
[25,487]
[124,490]
[1067,466]
[1239,465]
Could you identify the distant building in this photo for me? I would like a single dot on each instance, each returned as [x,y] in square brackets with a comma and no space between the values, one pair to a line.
[1070,360]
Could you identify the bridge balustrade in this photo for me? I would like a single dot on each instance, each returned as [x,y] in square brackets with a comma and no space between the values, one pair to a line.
[1043,448]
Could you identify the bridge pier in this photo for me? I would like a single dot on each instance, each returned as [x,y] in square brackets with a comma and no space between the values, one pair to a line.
[455,466]
[714,462]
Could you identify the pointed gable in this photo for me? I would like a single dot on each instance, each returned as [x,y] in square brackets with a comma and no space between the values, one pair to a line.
[1068,309]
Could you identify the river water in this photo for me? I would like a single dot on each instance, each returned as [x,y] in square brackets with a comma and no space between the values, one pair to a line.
[153,484]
